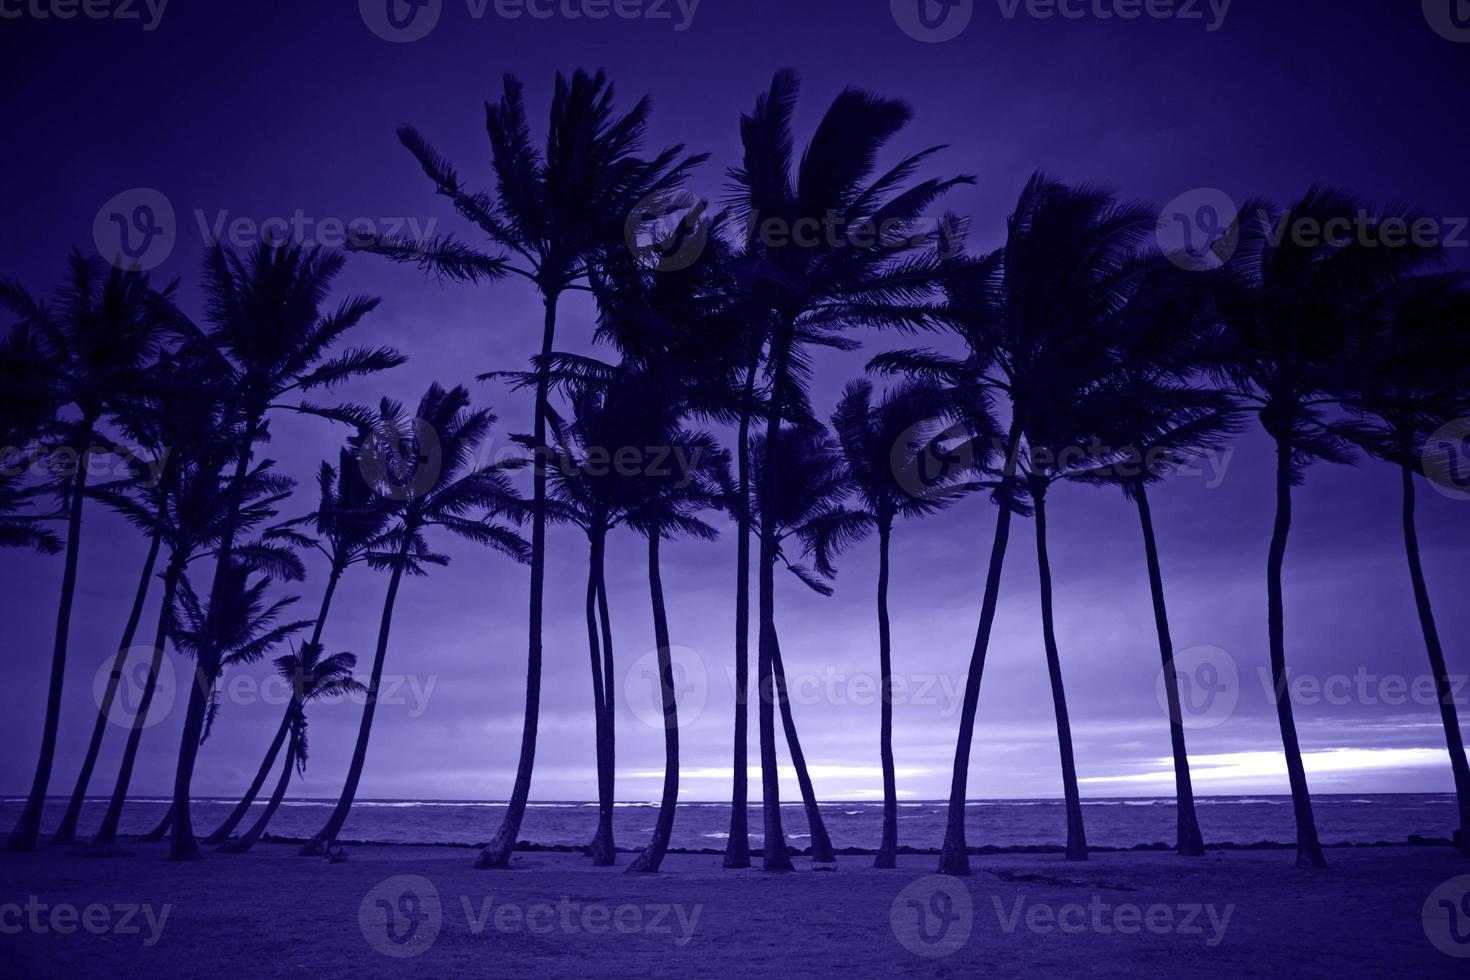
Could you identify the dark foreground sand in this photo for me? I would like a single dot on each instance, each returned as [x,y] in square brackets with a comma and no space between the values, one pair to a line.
[270,913]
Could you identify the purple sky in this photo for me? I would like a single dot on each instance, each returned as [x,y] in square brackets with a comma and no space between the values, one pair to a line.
[263,109]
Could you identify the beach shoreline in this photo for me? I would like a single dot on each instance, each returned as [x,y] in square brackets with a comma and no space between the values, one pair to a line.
[1242,912]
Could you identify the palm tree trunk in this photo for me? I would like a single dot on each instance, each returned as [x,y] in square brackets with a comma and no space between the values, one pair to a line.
[28,828]
[108,831]
[888,845]
[609,695]
[653,855]
[1076,834]
[821,842]
[497,853]
[1447,713]
[248,839]
[161,828]
[223,831]
[601,850]
[327,836]
[1188,841]
[183,846]
[67,832]
[737,846]
[1308,848]
[954,857]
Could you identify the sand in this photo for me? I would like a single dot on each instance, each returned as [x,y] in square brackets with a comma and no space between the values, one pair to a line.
[271,913]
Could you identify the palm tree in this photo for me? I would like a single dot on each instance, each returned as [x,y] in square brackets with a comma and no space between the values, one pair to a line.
[1411,382]
[443,489]
[312,677]
[271,337]
[881,444]
[553,212]
[93,339]
[1035,317]
[196,508]
[666,502]
[349,521]
[1290,304]
[810,292]
[804,502]
[27,406]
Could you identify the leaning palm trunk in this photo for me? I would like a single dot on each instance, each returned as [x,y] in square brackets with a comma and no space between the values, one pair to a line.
[183,846]
[1447,713]
[888,845]
[160,830]
[1188,841]
[247,841]
[223,831]
[821,842]
[653,855]
[327,836]
[28,828]
[774,856]
[737,847]
[1308,848]
[108,831]
[497,853]
[954,858]
[67,832]
[1076,834]
[602,849]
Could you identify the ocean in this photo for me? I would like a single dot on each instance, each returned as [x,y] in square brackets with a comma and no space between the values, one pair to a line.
[1243,820]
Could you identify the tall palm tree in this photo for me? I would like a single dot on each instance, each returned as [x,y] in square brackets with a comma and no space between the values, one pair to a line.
[444,490]
[810,291]
[93,339]
[1290,304]
[1035,317]
[349,522]
[312,678]
[665,503]
[1412,380]
[553,211]
[881,445]
[271,337]
[804,502]
[195,513]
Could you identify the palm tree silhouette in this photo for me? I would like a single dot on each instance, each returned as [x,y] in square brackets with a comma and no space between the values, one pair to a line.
[424,466]
[312,677]
[271,337]
[1290,304]
[553,212]
[1410,383]
[27,406]
[810,291]
[1033,342]
[884,447]
[91,341]
[349,522]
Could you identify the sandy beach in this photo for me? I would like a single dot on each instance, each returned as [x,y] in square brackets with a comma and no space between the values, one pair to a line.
[388,910]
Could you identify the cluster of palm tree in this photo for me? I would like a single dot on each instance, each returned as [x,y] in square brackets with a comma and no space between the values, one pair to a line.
[1084,355]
